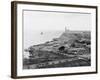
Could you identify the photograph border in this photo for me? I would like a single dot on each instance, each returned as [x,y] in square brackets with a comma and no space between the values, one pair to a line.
[14,37]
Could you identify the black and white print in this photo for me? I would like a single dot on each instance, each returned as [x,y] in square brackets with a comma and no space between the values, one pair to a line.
[54,39]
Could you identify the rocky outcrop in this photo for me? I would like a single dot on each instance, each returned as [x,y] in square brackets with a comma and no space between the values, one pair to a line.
[67,39]
[71,49]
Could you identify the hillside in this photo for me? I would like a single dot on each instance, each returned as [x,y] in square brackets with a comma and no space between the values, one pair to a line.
[66,39]
[71,48]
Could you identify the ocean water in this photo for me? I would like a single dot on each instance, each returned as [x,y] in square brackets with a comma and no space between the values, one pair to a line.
[39,37]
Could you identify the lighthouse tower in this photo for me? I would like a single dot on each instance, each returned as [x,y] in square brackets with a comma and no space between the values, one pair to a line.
[66,30]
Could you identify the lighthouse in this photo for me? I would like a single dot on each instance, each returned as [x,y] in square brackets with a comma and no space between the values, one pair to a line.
[66,30]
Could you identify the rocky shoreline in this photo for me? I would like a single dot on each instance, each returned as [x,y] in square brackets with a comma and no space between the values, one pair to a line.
[72,46]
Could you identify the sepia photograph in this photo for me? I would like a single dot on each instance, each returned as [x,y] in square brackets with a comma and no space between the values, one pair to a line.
[56,39]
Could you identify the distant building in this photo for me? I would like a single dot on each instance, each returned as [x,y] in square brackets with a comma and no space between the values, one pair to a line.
[66,29]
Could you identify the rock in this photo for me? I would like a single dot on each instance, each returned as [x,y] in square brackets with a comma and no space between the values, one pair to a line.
[67,39]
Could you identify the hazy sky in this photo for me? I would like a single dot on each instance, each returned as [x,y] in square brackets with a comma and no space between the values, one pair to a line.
[51,24]
[35,20]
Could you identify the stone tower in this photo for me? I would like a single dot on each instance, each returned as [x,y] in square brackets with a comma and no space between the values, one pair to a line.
[66,29]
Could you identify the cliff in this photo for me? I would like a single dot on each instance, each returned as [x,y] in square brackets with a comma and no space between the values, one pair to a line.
[66,39]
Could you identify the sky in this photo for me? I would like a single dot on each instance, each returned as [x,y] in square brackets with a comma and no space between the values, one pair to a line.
[56,20]
[51,24]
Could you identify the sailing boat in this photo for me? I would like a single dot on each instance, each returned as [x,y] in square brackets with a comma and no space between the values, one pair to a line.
[41,33]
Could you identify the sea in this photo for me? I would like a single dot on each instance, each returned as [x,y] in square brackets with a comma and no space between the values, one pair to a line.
[38,37]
